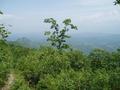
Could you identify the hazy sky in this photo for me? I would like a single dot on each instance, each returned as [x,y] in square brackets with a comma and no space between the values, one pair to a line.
[26,16]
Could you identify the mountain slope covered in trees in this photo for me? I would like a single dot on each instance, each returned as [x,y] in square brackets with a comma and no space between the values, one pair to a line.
[48,69]
[57,67]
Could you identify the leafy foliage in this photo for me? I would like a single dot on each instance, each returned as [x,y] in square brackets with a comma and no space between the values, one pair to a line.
[59,35]
[47,69]
[117,2]
[19,83]
[5,57]
[3,32]
[1,12]
[99,59]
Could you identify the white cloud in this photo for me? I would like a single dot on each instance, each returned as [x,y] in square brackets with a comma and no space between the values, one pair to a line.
[91,3]
[101,16]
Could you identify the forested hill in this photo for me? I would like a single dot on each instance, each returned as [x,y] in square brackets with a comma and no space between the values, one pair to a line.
[85,42]
[47,68]
[26,64]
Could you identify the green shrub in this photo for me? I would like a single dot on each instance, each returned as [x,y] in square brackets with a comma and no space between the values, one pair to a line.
[115,62]
[48,69]
[114,80]
[19,83]
[3,74]
[66,80]
[62,81]
[99,59]
[100,80]
[37,64]
[5,62]
[77,60]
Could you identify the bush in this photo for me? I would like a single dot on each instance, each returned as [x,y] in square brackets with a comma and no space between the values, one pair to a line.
[99,59]
[37,64]
[100,80]
[62,81]
[48,69]
[3,74]
[114,80]
[66,80]
[5,62]
[19,83]
[77,60]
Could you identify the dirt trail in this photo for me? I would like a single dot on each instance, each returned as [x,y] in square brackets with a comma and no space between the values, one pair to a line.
[9,82]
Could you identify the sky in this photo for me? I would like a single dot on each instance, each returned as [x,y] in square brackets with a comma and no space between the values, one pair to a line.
[91,16]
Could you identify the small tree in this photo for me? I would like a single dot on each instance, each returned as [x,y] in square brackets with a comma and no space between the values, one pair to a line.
[3,32]
[58,36]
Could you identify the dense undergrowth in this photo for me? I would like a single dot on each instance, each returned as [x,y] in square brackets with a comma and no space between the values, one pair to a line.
[48,69]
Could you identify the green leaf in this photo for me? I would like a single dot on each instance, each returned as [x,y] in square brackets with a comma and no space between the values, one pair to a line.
[73,27]
[67,21]
[66,36]
[47,33]
[1,12]
[65,46]
[117,2]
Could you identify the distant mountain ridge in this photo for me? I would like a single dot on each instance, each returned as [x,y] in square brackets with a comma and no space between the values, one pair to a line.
[85,42]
